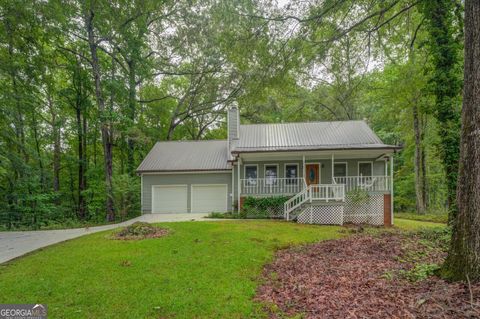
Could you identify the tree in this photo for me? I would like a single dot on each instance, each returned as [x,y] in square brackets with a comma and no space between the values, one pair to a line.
[446,86]
[463,261]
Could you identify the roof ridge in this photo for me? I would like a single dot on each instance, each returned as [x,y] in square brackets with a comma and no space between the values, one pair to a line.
[303,122]
[182,141]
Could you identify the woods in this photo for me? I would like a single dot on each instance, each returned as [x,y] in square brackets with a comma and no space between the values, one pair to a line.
[87,87]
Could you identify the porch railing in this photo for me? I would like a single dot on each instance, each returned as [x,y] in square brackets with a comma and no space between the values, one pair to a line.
[269,186]
[323,192]
[368,183]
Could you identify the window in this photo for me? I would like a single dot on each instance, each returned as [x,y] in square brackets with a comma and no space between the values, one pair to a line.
[271,174]
[251,174]
[340,170]
[365,168]
[291,173]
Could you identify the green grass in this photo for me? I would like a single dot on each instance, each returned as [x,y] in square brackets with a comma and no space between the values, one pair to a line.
[414,225]
[201,270]
[430,217]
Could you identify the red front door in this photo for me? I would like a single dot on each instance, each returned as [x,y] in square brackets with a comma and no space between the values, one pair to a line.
[311,174]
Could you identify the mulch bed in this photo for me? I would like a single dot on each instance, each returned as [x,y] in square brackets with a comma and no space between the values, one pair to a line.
[139,231]
[359,277]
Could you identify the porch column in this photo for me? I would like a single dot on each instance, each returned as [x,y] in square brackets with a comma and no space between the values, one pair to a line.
[391,187]
[333,164]
[303,167]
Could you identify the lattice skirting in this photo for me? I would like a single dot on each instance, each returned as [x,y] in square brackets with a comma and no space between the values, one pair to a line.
[369,211]
[322,214]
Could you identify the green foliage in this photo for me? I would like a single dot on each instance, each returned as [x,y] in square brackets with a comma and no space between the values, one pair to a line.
[222,215]
[446,78]
[436,217]
[263,207]
[358,196]
[420,272]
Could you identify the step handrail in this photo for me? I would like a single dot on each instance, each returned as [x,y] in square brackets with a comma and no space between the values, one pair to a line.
[296,201]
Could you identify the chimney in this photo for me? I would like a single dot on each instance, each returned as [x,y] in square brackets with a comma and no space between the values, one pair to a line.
[233,123]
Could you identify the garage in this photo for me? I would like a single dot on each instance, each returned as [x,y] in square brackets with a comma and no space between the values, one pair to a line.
[169,199]
[209,198]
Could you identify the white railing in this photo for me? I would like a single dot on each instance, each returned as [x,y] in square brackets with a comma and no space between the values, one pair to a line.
[269,186]
[295,202]
[368,183]
[325,192]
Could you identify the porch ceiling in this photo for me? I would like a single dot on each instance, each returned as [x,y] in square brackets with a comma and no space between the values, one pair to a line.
[316,155]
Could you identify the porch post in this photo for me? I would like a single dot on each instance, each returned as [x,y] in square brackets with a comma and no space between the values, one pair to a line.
[303,169]
[238,184]
[333,164]
[391,187]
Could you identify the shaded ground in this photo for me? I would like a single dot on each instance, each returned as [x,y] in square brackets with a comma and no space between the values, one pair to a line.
[366,276]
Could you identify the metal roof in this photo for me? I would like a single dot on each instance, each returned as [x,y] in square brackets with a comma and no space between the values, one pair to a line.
[186,156]
[213,155]
[307,136]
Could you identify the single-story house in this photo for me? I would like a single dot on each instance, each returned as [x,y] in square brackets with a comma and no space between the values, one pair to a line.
[320,165]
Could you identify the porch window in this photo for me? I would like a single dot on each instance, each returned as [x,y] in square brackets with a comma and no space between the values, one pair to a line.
[271,174]
[365,168]
[251,175]
[340,170]
[291,173]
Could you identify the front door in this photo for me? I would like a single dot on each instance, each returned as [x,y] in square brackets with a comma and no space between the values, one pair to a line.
[312,174]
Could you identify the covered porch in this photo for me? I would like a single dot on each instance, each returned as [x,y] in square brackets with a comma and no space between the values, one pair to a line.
[320,183]
[288,173]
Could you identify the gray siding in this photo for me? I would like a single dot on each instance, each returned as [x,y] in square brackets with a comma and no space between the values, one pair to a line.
[325,169]
[182,179]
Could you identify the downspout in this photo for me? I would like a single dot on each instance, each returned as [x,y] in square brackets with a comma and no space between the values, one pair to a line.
[303,170]
[141,194]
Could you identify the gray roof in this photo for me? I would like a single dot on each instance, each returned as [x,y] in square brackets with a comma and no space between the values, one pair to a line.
[214,155]
[307,136]
[186,156]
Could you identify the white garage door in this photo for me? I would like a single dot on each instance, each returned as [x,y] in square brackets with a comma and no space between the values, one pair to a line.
[169,199]
[209,198]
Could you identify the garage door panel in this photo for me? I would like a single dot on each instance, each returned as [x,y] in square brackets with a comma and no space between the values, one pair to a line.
[169,199]
[209,198]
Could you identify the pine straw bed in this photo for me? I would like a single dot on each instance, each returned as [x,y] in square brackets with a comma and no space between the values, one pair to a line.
[364,276]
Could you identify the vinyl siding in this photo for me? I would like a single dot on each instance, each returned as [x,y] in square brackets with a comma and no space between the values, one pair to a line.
[325,168]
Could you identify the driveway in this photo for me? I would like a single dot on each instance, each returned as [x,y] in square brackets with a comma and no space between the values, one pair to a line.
[18,243]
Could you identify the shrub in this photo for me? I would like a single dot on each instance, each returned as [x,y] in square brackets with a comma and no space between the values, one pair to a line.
[140,230]
[263,207]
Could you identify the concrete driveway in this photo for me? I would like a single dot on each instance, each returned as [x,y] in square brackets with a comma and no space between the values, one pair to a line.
[18,243]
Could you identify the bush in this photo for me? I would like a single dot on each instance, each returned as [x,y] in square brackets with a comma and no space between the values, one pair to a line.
[263,207]
[140,230]
[222,215]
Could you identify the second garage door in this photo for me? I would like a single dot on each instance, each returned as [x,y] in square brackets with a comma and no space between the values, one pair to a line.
[209,198]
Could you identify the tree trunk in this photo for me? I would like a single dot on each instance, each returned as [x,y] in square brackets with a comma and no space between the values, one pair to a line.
[81,213]
[419,176]
[56,147]
[463,261]
[132,96]
[104,126]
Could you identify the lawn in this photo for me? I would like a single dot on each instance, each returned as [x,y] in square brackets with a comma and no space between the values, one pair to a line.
[201,270]
[441,217]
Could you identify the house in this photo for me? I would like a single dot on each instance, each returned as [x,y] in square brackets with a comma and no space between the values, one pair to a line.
[322,166]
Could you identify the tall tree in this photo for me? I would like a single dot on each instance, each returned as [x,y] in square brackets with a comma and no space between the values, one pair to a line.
[463,261]
[442,25]
[105,127]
